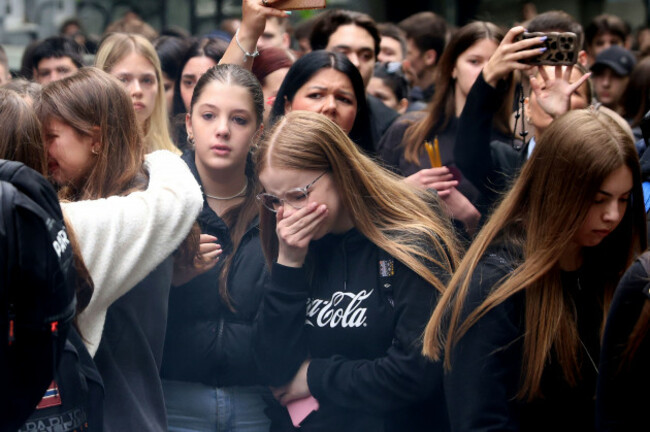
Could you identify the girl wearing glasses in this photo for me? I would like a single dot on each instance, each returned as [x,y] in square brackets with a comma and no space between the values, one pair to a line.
[210,377]
[369,256]
[519,326]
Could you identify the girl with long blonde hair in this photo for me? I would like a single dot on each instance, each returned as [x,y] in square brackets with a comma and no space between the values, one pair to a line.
[369,255]
[132,59]
[519,326]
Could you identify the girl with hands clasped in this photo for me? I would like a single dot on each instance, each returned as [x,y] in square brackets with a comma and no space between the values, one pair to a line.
[210,379]
[369,256]
[403,145]
[490,161]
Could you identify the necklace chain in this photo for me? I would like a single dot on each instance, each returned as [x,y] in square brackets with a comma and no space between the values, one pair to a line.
[238,194]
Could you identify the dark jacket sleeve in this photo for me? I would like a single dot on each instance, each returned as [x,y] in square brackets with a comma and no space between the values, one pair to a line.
[622,397]
[487,164]
[280,340]
[486,362]
[381,117]
[390,146]
[397,379]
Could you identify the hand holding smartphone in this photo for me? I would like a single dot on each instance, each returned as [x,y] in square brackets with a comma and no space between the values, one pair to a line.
[561,49]
[299,4]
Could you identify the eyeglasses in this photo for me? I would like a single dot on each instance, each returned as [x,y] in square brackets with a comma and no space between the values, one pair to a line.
[296,198]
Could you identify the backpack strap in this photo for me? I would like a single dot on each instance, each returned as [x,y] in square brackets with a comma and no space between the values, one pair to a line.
[386,275]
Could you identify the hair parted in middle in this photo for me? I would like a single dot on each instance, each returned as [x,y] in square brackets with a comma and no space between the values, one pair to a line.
[442,107]
[112,50]
[239,217]
[95,104]
[309,65]
[546,206]
[402,220]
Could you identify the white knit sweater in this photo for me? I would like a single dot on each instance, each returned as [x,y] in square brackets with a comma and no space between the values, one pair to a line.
[124,238]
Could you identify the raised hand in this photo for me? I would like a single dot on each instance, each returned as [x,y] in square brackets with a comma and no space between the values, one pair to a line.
[253,21]
[508,55]
[554,94]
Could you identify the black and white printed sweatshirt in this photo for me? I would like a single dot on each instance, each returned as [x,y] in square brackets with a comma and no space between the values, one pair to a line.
[363,339]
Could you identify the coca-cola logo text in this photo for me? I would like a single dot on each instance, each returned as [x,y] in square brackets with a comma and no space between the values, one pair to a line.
[337,311]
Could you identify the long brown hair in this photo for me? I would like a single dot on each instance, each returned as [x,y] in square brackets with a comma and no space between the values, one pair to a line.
[95,104]
[549,202]
[394,216]
[20,139]
[239,217]
[443,105]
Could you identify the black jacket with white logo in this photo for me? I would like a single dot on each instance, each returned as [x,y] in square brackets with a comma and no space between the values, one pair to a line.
[363,339]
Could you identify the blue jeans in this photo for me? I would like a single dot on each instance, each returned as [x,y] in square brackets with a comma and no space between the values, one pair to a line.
[195,407]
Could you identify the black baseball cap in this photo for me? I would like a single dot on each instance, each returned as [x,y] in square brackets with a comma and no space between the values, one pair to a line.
[616,58]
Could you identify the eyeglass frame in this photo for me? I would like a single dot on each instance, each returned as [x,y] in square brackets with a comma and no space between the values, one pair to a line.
[305,190]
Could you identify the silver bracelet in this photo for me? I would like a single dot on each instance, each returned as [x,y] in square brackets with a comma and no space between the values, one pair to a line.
[246,53]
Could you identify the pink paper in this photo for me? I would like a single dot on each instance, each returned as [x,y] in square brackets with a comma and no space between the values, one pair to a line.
[299,409]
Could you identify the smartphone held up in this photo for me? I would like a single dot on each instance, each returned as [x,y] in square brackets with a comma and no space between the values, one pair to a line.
[561,49]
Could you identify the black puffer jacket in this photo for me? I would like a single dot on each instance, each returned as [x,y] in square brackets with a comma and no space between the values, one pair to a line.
[207,342]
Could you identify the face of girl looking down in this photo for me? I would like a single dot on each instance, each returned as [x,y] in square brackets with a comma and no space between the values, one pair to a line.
[70,155]
[607,209]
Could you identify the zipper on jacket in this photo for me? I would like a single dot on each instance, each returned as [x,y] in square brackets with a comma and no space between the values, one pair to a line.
[220,350]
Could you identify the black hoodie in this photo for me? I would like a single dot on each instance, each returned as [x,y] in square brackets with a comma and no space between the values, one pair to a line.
[363,339]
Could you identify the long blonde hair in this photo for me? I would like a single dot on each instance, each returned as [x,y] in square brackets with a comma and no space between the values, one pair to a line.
[546,206]
[394,216]
[112,50]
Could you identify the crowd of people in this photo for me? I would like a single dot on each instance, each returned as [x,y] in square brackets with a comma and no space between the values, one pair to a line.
[381,227]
